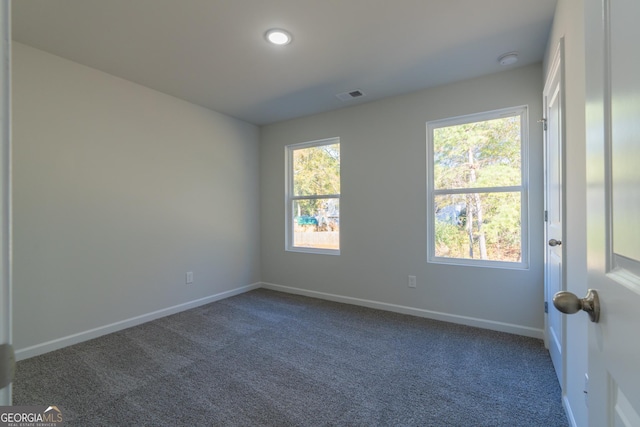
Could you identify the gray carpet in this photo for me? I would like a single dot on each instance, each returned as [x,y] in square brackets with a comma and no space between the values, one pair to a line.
[266,358]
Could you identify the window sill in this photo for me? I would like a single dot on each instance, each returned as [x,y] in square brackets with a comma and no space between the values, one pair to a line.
[479,263]
[318,251]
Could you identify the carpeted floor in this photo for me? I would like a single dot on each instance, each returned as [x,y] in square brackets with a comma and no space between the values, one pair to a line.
[266,358]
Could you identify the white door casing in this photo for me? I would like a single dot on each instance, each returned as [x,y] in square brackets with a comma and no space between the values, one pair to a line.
[553,102]
[5,187]
[613,209]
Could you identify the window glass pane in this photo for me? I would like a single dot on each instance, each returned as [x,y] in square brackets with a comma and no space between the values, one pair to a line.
[479,154]
[479,226]
[316,223]
[316,170]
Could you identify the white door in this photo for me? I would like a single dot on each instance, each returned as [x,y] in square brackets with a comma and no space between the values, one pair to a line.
[613,209]
[554,206]
[5,198]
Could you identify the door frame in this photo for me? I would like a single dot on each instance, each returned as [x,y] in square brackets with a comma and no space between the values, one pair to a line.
[556,68]
[5,185]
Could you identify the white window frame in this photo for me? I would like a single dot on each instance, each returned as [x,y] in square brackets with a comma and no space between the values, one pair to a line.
[523,188]
[290,198]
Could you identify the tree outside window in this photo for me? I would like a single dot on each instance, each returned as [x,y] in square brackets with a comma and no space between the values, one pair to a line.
[313,196]
[477,193]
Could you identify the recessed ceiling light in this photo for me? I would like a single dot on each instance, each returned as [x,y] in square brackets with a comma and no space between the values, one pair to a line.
[508,58]
[278,36]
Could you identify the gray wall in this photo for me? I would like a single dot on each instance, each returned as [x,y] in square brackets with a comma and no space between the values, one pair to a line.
[118,191]
[569,24]
[383,209]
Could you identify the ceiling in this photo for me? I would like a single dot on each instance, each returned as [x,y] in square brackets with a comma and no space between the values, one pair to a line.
[213,52]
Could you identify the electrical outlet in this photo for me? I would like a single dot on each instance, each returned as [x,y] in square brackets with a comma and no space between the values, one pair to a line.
[189,277]
[412,281]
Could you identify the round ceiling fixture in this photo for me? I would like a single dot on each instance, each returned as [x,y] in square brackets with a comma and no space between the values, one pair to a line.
[278,36]
[508,58]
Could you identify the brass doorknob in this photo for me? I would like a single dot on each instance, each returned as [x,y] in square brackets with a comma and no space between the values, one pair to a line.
[568,303]
[554,242]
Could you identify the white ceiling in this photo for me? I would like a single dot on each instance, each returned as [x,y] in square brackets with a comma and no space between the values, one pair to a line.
[212,52]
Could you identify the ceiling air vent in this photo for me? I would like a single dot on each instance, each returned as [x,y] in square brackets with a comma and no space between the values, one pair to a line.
[352,94]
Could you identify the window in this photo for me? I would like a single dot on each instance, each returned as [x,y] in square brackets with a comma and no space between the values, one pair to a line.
[313,196]
[477,189]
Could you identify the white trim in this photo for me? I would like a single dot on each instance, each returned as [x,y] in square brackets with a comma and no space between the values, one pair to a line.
[320,196]
[521,111]
[5,186]
[556,78]
[38,349]
[567,410]
[469,262]
[429,314]
[56,344]
[289,197]
[511,189]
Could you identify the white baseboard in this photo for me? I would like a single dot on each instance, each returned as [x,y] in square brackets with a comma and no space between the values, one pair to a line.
[568,412]
[59,343]
[436,315]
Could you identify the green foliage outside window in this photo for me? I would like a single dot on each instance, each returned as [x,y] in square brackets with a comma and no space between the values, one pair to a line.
[316,171]
[479,223]
[315,196]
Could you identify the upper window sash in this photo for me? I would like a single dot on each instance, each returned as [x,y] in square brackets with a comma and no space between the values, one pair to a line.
[290,149]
